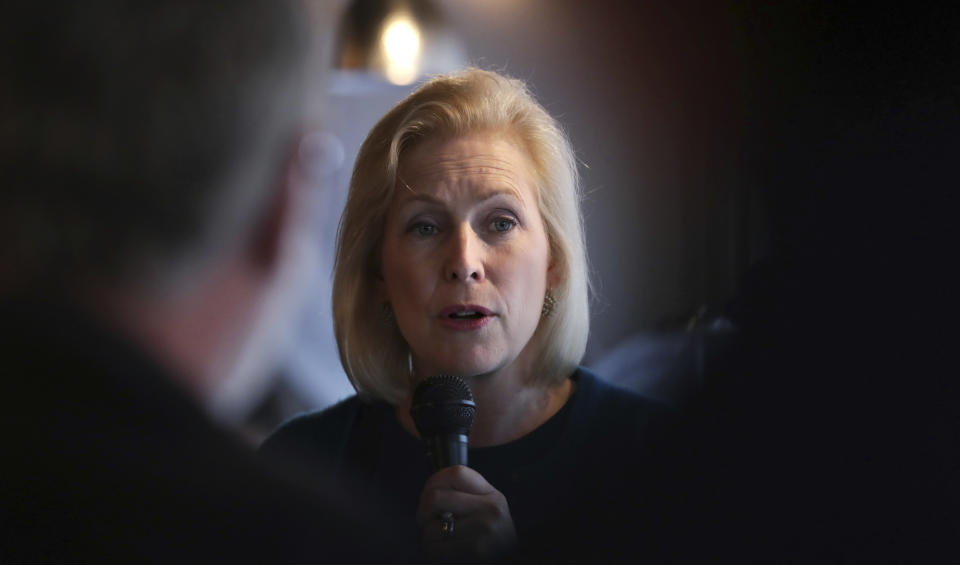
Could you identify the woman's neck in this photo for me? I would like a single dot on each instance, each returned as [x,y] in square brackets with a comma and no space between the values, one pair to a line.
[507,409]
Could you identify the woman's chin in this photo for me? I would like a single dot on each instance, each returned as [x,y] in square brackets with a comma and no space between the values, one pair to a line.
[466,367]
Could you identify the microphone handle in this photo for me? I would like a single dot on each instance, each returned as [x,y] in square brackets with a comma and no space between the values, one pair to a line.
[447,450]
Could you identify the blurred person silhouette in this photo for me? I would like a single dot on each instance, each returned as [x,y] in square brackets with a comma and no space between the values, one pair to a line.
[149,185]
[461,252]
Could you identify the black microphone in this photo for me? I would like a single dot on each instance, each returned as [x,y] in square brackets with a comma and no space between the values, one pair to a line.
[443,412]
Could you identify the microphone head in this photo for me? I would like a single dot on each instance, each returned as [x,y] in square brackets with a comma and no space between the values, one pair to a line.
[443,405]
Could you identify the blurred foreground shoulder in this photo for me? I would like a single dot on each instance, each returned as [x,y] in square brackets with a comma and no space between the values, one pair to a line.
[317,436]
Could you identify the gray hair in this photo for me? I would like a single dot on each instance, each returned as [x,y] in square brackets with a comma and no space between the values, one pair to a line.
[139,140]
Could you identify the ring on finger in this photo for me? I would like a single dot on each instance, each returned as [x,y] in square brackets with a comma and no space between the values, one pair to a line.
[447,524]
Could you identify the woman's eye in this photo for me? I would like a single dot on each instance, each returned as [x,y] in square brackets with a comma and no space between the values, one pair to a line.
[423,229]
[503,224]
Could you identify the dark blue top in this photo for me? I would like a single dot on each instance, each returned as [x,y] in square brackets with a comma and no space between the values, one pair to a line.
[584,466]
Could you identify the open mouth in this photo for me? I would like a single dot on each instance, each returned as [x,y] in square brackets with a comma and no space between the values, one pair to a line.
[465,315]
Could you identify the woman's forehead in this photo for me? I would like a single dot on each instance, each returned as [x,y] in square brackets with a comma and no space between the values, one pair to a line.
[480,164]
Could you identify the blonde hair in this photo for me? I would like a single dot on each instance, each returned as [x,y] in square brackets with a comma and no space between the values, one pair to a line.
[374,354]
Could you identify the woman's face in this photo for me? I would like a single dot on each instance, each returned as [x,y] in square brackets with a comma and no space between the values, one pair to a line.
[465,255]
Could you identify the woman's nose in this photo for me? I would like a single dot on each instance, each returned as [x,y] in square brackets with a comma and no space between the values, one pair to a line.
[464,260]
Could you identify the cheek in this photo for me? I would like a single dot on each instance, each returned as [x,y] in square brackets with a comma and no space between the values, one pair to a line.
[403,278]
[391,266]
[539,258]
[528,277]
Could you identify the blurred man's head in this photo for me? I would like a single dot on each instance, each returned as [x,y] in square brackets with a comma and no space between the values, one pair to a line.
[145,148]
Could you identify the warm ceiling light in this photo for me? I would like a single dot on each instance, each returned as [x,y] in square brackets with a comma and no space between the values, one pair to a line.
[400,42]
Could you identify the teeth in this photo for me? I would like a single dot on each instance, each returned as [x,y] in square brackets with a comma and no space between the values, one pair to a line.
[464,314]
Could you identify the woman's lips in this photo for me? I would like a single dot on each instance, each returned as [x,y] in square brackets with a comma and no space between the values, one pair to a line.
[465,317]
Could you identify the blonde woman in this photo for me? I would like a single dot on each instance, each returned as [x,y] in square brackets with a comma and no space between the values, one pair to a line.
[461,251]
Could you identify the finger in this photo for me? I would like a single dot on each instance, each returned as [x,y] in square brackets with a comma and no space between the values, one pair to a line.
[455,489]
[434,501]
[472,539]
[440,492]
[461,478]
[475,529]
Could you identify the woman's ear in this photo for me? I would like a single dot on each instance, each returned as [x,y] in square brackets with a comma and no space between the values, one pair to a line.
[381,293]
[554,273]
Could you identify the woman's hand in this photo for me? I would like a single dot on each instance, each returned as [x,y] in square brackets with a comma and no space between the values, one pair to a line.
[482,526]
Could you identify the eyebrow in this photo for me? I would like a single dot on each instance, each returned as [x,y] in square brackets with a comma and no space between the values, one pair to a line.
[413,196]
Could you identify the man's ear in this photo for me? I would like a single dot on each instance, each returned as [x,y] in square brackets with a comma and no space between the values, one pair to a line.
[267,242]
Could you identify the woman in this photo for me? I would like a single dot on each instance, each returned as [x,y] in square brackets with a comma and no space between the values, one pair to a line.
[461,251]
